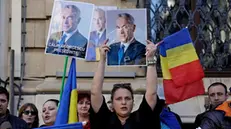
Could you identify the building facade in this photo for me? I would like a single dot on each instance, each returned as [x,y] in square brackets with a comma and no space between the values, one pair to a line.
[39,76]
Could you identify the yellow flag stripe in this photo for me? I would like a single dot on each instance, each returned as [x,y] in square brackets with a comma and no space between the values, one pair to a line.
[164,67]
[181,55]
[73,107]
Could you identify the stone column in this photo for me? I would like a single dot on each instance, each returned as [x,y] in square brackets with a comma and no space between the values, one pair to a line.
[16,7]
[4,24]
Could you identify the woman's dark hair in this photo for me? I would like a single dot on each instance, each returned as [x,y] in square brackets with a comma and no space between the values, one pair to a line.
[84,95]
[117,86]
[24,107]
[53,100]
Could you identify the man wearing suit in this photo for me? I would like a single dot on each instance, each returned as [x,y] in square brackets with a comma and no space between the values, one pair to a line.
[97,36]
[128,51]
[70,41]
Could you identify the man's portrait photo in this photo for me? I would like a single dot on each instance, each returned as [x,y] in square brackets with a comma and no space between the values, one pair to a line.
[98,32]
[127,41]
[70,35]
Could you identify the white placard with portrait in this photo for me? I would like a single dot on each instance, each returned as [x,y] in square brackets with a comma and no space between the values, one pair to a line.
[69,29]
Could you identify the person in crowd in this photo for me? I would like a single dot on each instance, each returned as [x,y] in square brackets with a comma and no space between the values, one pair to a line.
[109,104]
[220,118]
[217,94]
[169,118]
[49,111]
[29,113]
[8,121]
[148,114]
[83,106]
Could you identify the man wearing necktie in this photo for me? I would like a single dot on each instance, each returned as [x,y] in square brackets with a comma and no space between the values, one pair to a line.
[128,51]
[97,36]
[69,41]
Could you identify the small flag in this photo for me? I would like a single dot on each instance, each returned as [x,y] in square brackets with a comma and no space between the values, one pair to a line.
[181,68]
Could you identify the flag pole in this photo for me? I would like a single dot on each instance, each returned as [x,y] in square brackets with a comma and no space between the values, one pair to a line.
[63,78]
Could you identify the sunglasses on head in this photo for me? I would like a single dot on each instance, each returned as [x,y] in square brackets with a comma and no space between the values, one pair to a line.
[29,112]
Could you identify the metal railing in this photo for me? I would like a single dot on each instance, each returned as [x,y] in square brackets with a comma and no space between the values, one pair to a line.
[209,22]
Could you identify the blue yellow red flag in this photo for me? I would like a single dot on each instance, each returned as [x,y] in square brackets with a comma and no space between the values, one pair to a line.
[181,68]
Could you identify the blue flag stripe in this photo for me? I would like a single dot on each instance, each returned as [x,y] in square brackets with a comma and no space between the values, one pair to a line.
[175,40]
[63,111]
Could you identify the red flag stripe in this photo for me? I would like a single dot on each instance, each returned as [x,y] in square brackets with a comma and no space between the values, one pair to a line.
[187,73]
[174,95]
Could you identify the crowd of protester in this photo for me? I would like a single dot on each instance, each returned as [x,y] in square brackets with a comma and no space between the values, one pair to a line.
[216,116]
[96,113]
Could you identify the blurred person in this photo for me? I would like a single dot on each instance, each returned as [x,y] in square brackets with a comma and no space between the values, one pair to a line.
[220,118]
[109,104]
[217,94]
[49,111]
[83,107]
[29,113]
[8,121]
[168,118]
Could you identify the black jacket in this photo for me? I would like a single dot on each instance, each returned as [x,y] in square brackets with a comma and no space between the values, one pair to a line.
[198,119]
[15,122]
[215,120]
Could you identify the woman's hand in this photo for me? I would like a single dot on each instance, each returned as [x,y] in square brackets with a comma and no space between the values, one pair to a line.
[103,50]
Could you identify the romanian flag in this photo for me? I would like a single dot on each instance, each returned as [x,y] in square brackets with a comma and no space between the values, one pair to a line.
[181,68]
[67,112]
